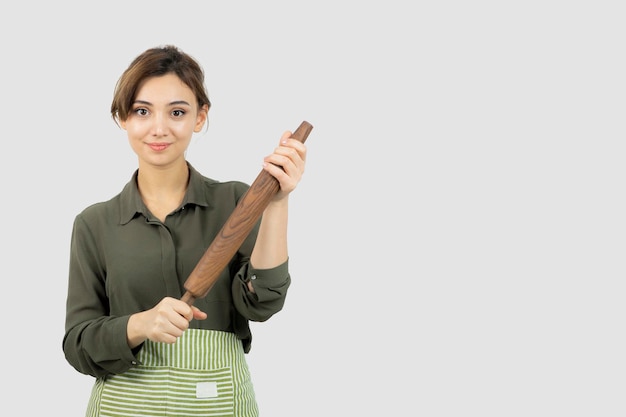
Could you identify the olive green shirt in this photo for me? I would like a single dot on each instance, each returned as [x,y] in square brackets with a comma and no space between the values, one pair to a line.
[124,260]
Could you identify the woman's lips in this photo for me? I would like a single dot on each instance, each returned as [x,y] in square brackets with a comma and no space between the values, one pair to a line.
[158,146]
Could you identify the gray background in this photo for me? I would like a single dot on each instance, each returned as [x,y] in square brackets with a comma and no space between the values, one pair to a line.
[457,240]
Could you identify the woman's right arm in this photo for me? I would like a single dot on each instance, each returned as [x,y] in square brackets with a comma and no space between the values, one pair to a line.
[94,343]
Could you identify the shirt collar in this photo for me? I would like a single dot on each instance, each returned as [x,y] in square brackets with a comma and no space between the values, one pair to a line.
[131,203]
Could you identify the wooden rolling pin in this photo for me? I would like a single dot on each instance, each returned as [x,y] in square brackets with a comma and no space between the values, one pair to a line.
[235,230]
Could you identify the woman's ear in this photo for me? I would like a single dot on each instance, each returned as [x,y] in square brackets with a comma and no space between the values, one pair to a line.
[203,114]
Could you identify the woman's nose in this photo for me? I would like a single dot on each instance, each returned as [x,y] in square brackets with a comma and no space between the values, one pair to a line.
[160,125]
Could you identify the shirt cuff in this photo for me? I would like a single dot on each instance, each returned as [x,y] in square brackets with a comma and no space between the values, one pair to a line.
[270,277]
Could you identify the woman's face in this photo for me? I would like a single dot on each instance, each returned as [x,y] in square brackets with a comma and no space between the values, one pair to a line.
[163,119]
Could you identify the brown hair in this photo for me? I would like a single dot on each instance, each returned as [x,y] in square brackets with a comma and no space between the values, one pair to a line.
[156,62]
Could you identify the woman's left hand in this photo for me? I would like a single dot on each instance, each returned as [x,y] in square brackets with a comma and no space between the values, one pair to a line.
[286,164]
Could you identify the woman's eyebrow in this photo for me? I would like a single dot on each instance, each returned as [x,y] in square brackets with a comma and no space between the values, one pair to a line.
[179,102]
[172,103]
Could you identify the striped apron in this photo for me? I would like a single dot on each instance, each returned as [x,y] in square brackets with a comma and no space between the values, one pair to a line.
[203,374]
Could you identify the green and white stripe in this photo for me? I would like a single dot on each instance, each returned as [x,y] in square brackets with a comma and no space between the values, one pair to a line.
[165,384]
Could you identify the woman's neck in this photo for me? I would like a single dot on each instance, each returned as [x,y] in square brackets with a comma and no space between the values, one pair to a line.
[163,190]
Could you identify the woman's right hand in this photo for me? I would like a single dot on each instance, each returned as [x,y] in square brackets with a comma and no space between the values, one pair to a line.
[165,322]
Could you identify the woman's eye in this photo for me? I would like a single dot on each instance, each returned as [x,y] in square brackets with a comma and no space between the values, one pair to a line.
[141,111]
[178,113]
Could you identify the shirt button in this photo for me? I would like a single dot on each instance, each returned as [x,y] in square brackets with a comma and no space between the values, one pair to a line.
[134,362]
[253,277]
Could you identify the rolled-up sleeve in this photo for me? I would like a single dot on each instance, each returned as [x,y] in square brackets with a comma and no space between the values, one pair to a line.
[270,291]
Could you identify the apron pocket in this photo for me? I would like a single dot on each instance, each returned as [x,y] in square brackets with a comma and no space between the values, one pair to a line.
[163,391]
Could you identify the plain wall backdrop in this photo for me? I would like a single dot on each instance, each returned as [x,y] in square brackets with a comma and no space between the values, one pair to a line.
[457,241]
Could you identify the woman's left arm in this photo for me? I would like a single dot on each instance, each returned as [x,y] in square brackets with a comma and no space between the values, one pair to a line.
[286,164]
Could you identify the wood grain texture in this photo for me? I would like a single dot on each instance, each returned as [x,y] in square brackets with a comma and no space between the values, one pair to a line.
[235,230]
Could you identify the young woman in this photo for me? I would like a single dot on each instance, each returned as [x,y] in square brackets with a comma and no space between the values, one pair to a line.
[151,353]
